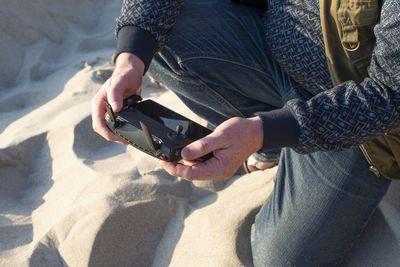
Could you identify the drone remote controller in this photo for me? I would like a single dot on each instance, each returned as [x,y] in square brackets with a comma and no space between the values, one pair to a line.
[154,129]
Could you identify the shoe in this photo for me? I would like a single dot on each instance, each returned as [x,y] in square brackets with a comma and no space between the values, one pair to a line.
[249,165]
[249,168]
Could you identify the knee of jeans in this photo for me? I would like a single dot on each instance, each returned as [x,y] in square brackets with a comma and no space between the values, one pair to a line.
[272,246]
[269,251]
[266,252]
[265,245]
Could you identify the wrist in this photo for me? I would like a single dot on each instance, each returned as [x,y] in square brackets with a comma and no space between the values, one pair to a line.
[257,130]
[129,60]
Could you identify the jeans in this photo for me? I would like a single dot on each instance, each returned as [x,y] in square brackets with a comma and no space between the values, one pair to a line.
[218,63]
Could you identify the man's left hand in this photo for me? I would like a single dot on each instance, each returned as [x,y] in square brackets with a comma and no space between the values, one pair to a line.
[232,143]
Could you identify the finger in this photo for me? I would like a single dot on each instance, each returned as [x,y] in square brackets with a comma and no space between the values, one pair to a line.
[189,162]
[98,112]
[202,171]
[170,167]
[202,147]
[139,90]
[115,95]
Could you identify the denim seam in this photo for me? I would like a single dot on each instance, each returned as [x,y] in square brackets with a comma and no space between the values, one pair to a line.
[220,98]
[180,61]
[217,96]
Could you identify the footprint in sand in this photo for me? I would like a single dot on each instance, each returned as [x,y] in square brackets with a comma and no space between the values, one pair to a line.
[90,146]
[25,174]
[39,71]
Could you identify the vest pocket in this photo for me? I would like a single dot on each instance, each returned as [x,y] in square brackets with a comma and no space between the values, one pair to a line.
[353,15]
[358,12]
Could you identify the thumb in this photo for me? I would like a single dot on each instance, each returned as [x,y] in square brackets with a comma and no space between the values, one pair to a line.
[115,97]
[201,147]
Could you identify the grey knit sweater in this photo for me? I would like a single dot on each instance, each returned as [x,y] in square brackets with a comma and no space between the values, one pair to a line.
[336,117]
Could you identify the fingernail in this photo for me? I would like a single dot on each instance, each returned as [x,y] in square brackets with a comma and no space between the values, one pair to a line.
[186,152]
[114,106]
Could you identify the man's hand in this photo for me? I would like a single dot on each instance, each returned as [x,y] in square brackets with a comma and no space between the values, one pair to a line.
[125,81]
[232,143]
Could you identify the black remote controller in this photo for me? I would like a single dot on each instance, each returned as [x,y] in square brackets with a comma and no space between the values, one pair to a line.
[154,129]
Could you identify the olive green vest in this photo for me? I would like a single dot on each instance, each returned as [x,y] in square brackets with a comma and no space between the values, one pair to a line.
[347,27]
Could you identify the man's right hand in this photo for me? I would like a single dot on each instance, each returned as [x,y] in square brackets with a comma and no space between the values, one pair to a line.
[125,81]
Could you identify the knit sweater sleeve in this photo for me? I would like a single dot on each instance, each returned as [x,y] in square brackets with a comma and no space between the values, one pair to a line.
[144,26]
[350,114]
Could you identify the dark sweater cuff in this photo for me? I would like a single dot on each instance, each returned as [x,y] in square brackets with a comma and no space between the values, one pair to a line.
[281,129]
[137,41]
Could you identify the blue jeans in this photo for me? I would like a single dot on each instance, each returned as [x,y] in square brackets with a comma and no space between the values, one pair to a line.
[218,63]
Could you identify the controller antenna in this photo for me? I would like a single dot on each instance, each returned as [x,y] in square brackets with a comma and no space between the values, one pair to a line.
[148,136]
[179,129]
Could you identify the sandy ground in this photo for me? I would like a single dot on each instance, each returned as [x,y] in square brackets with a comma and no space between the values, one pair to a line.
[70,198]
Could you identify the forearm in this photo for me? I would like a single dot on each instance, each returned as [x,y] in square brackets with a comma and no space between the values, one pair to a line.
[345,117]
[350,114]
[144,26]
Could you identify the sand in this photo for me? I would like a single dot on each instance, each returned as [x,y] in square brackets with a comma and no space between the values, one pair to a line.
[70,198]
